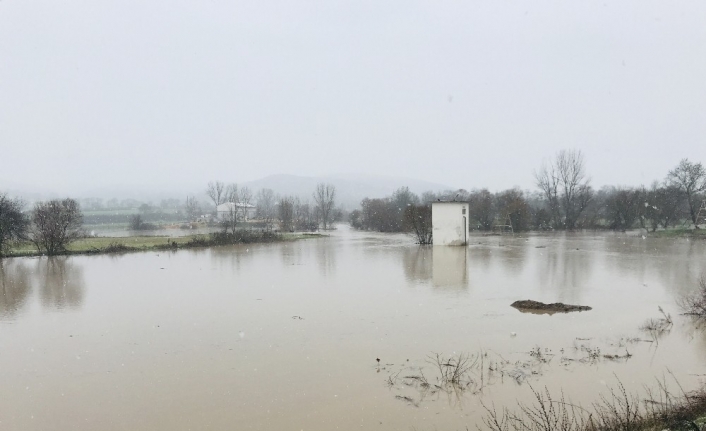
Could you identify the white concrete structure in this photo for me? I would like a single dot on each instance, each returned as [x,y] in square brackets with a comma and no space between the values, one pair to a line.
[449,221]
[224,210]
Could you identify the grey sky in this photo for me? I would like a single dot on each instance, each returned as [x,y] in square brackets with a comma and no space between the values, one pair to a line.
[104,93]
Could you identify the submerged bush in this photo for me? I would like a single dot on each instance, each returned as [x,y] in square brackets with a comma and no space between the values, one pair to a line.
[695,304]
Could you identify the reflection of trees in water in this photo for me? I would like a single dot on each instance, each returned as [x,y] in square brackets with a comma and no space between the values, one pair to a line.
[417,263]
[512,256]
[326,256]
[480,258]
[677,264]
[230,256]
[61,282]
[696,333]
[566,271]
[15,286]
[291,254]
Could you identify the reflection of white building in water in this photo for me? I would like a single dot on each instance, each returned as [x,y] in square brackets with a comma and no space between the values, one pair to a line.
[225,210]
[449,221]
[449,267]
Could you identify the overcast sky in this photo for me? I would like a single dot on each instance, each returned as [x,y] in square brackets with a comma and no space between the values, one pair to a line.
[467,93]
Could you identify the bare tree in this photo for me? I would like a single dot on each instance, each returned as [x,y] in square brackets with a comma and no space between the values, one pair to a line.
[325,198]
[229,220]
[55,224]
[428,197]
[192,208]
[231,193]
[565,187]
[265,206]
[690,179]
[244,202]
[13,222]
[215,190]
[418,219]
[548,182]
[285,214]
[303,217]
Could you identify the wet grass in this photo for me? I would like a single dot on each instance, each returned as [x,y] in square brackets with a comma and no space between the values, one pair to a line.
[104,245]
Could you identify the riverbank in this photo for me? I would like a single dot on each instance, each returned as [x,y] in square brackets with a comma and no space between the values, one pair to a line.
[103,245]
[680,233]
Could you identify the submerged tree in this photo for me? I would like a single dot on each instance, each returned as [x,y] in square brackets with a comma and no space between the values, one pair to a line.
[13,222]
[55,224]
[418,219]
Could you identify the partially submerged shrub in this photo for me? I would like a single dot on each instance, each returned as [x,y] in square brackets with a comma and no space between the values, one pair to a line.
[695,304]
[658,325]
[619,410]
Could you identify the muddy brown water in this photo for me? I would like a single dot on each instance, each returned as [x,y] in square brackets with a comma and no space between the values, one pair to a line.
[285,336]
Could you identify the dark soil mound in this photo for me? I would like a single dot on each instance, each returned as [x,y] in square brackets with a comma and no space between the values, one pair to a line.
[530,306]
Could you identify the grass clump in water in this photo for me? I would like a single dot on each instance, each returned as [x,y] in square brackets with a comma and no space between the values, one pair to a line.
[695,304]
[617,411]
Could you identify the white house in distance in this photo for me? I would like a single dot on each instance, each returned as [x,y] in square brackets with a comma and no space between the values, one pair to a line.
[224,210]
[449,222]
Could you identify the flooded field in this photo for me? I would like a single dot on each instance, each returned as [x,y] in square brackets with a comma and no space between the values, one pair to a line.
[287,336]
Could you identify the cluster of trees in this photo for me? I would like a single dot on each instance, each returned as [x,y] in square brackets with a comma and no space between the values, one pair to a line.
[571,202]
[50,226]
[288,212]
[385,214]
[295,215]
[401,212]
[564,200]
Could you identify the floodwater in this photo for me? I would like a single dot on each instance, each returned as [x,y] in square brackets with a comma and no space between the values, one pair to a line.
[286,336]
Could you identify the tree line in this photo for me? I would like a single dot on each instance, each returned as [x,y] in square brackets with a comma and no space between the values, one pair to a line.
[52,225]
[288,213]
[563,199]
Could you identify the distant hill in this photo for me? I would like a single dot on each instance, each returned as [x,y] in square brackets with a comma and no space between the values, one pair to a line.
[350,188]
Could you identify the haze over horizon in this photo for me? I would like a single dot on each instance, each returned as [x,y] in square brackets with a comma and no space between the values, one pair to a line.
[162,94]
